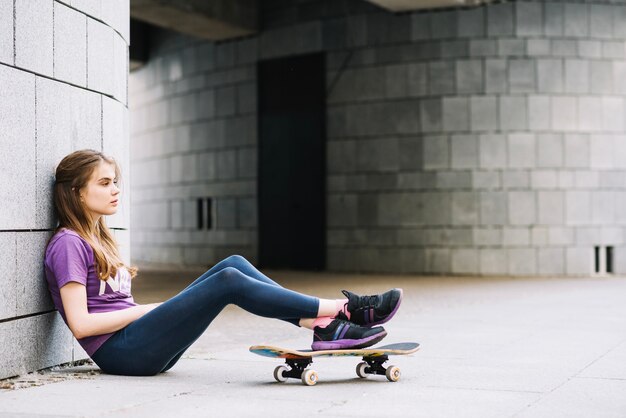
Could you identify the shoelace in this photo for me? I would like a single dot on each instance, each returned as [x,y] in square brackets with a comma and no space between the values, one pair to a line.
[342,316]
[367,301]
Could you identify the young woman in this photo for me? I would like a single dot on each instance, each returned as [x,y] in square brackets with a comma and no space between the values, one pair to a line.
[91,287]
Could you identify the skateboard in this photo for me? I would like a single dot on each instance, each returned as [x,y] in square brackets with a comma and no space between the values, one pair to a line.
[298,360]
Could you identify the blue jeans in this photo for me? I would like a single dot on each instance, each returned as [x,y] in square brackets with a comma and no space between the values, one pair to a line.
[153,343]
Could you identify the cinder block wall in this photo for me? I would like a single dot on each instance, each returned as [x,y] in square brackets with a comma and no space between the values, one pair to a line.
[485,140]
[63,86]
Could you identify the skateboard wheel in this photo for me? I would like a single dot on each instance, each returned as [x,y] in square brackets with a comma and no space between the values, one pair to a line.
[360,369]
[309,377]
[393,373]
[278,373]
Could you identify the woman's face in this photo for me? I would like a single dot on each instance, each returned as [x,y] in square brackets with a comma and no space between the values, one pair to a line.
[100,195]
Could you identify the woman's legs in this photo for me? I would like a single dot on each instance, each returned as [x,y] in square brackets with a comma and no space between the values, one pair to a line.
[241,264]
[151,343]
[328,307]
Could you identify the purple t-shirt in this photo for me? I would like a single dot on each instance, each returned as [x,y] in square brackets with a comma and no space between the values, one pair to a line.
[69,258]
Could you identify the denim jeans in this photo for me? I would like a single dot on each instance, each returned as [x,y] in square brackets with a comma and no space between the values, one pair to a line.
[153,343]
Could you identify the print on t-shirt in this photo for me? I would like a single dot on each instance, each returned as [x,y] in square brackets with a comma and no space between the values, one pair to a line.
[119,285]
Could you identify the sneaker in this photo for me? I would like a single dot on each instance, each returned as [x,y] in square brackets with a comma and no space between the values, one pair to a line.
[343,334]
[373,310]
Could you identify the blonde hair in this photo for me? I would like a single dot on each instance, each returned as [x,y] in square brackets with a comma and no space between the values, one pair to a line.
[72,174]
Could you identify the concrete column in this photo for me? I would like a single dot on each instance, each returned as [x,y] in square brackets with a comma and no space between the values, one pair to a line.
[53,100]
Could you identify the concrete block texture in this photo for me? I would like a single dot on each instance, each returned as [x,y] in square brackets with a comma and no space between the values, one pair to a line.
[576,76]
[521,150]
[550,208]
[441,77]
[553,19]
[483,113]
[34,36]
[500,20]
[505,118]
[521,261]
[464,151]
[471,22]
[601,20]
[513,113]
[17,149]
[577,149]
[539,118]
[378,155]
[32,294]
[521,207]
[120,69]
[34,343]
[455,114]
[576,20]
[6,32]
[436,152]
[551,261]
[70,45]
[62,127]
[8,270]
[116,13]
[601,77]
[101,57]
[515,237]
[431,115]
[496,76]
[521,76]
[493,261]
[563,113]
[549,75]
[464,261]
[115,135]
[493,208]
[493,151]
[590,114]
[469,76]
[528,19]
[398,117]
[91,8]
[443,25]
[464,208]
[538,47]
[578,207]
[511,47]
[579,261]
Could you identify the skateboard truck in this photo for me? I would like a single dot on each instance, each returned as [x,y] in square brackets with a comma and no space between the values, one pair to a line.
[297,370]
[374,365]
[297,367]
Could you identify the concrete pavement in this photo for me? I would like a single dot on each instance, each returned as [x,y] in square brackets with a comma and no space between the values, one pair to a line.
[491,347]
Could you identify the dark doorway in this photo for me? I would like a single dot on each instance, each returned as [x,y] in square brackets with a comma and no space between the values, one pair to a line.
[292,165]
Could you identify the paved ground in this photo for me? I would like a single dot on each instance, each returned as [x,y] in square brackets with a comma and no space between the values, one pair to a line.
[490,348]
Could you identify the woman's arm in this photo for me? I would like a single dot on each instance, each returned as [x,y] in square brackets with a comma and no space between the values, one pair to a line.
[83,324]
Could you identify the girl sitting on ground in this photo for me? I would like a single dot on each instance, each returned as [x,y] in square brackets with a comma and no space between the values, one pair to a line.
[91,287]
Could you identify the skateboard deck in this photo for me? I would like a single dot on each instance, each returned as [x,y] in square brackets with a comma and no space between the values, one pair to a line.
[298,360]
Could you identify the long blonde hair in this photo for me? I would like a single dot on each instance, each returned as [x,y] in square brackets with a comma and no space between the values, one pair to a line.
[72,174]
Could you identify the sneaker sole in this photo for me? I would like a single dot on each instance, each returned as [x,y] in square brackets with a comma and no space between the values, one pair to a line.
[373,324]
[348,344]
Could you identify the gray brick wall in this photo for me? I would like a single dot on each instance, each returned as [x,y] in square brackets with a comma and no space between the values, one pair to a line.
[55,98]
[193,110]
[471,141]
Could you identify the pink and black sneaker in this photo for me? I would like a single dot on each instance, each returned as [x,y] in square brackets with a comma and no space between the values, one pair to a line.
[373,310]
[343,334]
